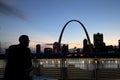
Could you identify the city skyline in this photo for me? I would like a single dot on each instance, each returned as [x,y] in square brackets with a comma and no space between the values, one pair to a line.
[45,20]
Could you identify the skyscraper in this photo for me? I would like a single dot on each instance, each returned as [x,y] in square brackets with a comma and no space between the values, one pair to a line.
[98,39]
[65,48]
[119,45]
[85,43]
[55,47]
[38,48]
[98,42]
[85,46]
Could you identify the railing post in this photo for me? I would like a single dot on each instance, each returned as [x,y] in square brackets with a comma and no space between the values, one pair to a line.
[96,73]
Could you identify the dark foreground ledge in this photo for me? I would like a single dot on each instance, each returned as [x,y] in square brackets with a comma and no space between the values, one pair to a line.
[72,55]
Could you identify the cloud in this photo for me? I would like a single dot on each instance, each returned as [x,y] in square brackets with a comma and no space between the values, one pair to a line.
[7,9]
[50,44]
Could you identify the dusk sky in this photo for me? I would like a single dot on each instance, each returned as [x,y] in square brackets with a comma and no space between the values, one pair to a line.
[43,20]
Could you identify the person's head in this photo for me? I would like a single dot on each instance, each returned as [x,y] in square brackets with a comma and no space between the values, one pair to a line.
[24,40]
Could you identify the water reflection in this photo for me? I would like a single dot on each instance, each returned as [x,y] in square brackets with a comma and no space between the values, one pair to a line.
[89,64]
[84,63]
[111,63]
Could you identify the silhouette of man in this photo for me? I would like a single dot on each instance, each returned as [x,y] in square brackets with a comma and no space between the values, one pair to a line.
[19,61]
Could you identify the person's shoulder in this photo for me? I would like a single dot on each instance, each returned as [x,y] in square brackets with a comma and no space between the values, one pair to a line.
[13,46]
[28,49]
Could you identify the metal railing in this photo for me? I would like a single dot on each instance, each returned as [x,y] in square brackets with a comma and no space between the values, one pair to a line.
[75,68]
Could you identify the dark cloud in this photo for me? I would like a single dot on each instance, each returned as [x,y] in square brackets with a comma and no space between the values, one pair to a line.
[9,10]
[50,44]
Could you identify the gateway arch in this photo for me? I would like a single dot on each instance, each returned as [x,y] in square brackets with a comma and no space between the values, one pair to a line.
[60,37]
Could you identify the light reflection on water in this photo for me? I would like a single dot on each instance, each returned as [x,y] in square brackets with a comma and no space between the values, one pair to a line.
[84,63]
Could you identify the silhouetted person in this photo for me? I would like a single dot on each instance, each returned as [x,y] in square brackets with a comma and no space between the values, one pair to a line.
[19,61]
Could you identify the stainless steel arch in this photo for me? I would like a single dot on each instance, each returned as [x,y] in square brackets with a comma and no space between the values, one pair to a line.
[59,42]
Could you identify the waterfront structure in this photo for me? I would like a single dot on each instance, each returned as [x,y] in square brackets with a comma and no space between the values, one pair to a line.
[76,68]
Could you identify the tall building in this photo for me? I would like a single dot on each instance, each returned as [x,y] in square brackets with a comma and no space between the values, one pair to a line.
[98,42]
[85,42]
[98,39]
[55,47]
[119,44]
[65,48]
[38,48]
[85,46]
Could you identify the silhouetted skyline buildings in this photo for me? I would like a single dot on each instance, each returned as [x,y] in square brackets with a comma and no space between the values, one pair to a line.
[99,50]
[97,46]
[100,46]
